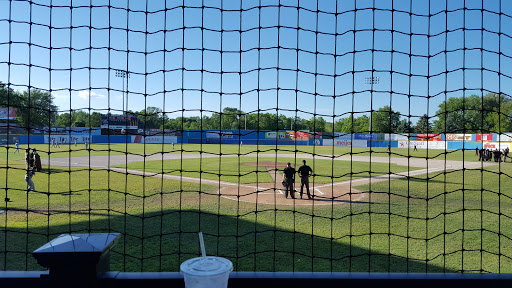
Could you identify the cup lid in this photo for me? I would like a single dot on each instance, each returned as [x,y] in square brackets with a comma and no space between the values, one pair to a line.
[204,266]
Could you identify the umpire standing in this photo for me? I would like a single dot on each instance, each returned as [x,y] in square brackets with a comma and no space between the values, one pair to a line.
[289,179]
[304,172]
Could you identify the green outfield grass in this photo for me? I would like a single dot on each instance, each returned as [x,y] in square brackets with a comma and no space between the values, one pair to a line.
[141,149]
[458,211]
[233,169]
[160,218]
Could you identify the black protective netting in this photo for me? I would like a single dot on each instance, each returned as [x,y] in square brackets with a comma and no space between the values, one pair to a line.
[160,119]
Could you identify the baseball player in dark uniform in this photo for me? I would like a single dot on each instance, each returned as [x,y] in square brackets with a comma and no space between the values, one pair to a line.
[30,171]
[289,178]
[304,172]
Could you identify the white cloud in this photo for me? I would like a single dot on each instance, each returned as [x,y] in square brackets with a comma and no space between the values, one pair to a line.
[86,95]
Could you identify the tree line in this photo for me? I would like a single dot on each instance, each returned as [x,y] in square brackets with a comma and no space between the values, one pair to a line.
[470,114]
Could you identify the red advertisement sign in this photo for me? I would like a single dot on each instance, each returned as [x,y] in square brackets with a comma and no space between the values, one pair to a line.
[429,137]
[8,113]
[458,137]
[301,135]
[483,137]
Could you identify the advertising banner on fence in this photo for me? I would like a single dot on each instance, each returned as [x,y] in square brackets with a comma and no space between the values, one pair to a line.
[395,137]
[365,136]
[7,113]
[67,139]
[422,144]
[313,135]
[166,132]
[496,145]
[458,137]
[285,135]
[302,135]
[344,142]
[429,137]
[218,134]
[155,139]
[504,137]
[483,138]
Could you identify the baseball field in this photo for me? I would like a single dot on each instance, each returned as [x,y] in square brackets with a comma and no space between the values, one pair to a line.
[373,210]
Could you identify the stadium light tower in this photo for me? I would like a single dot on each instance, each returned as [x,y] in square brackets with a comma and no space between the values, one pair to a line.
[371,81]
[124,74]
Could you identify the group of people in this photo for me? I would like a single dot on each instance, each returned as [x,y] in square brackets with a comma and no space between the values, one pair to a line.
[495,155]
[55,143]
[289,179]
[32,165]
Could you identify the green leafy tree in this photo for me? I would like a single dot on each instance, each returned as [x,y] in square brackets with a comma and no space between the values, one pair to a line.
[9,97]
[95,120]
[150,118]
[385,120]
[77,118]
[65,120]
[423,125]
[353,125]
[471,114]
[404,127]
[36,109]
[316,124]
[79,124]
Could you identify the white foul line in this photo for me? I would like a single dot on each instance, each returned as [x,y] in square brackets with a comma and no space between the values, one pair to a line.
[316,189]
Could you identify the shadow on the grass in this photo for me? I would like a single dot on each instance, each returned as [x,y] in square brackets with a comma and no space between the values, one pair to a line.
[161,241]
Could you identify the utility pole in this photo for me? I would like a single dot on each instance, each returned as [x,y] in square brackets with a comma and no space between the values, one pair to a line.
[371,81]
[124,74]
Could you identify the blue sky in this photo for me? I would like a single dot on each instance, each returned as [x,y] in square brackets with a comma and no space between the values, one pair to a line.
[196,49]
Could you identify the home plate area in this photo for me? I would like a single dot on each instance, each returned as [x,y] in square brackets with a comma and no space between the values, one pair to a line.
[274,192]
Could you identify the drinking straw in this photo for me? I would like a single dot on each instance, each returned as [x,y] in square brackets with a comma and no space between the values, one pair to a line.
[201,242]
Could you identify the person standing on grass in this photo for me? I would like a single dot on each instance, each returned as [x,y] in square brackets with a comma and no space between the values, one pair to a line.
[476,151]
[29,168]
[389,148]
[172,145]
[415,149]
[304,172]
[75,141]
[37,161]
[289,179]
[17,147]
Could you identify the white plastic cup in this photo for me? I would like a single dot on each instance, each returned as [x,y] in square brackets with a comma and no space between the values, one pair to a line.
[206,272]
